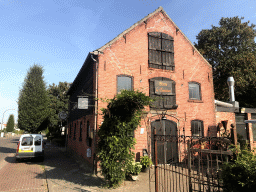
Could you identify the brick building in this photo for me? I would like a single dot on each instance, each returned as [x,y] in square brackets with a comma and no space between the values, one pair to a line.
[155,57]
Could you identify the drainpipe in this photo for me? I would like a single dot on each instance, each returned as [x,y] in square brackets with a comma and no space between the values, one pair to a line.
[95,112]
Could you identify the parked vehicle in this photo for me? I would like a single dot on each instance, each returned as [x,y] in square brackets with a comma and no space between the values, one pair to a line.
[30,146]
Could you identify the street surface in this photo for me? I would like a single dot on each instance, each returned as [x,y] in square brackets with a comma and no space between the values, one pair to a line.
[60,171]
[27,175]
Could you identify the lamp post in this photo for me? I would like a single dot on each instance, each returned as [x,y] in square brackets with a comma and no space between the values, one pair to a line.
[3,117]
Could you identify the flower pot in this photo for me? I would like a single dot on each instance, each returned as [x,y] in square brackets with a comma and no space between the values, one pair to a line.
[134,177]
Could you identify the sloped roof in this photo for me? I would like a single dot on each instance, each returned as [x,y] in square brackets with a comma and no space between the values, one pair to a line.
[159,9]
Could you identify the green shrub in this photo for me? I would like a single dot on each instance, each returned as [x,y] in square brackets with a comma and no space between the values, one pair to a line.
[240,175]
[133,168]
[121,118]
[145,161]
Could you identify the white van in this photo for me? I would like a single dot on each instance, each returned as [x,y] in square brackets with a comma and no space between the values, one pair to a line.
[30,146]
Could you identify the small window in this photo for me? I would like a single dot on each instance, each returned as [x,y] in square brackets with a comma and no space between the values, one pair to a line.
[27,141]
[194,91]
[124,83]
[70,129]
[197,128]
[81,129]
[254,127]
[75,131]
[88,139]
[38,140]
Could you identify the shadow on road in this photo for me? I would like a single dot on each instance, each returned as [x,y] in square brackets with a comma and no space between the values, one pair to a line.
[62,169]
[7,150]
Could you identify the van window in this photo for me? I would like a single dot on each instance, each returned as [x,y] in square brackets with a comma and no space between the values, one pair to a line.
[37,140]
[27,141]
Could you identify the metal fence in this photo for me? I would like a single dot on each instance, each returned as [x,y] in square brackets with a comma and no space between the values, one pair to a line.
[189,163]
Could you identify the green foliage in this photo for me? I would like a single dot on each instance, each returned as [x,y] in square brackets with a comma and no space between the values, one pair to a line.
[10,124]
[33,102]
[145,161]
[230,49]
[122,117]
[240,175]
[58,103]
[133,168]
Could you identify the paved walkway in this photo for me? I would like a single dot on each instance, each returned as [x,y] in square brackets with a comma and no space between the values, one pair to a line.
[22,177]
[59,172]
[68,174]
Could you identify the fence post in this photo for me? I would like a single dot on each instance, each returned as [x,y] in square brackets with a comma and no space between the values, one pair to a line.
[156,170]
[189,168]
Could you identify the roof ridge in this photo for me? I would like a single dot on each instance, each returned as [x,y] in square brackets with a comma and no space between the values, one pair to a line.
[129,29]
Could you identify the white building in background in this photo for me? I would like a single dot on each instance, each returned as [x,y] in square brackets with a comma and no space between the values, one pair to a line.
[2,126]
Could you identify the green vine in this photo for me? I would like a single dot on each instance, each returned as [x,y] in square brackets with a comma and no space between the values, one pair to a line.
[121,117]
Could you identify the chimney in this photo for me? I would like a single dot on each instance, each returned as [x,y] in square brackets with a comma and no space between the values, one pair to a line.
[231,83]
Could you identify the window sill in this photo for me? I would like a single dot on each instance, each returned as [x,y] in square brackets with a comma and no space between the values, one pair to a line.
[169,70]
[195,101]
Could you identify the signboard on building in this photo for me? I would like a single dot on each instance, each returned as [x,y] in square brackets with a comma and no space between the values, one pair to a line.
[163,87]
[82,102]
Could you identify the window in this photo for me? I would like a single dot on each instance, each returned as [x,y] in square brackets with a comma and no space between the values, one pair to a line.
[163,91]
[197,128]
[81,129]
[70,127]
[37,140]
[194,91]
[124,82]
[88,138]
[27,141]
[160,51]
[74,132]
[254,127]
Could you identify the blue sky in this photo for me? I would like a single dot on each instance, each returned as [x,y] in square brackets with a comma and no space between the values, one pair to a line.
[58,34]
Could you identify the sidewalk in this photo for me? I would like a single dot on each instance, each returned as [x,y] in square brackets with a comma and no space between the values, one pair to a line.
[65,173]
[22,177]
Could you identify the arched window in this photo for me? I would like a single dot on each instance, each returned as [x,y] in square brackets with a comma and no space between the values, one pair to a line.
[160,51]
[163,91]
[197,128]
[194,91]
[124,82]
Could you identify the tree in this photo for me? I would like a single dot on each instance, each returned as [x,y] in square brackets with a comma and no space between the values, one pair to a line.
[121,118]
[33,102]
[231,50]
[10,124]
[58,103]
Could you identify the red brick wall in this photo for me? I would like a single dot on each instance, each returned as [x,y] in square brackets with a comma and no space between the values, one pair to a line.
[226,116]
[80,147]
[129,56]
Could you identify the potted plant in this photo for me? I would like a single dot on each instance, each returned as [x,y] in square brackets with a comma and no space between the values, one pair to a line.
[133,169]
[145,162]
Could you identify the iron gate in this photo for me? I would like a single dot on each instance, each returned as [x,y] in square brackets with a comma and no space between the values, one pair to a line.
[198,166]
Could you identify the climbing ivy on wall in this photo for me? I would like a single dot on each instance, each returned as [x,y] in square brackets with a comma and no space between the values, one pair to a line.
[121,117]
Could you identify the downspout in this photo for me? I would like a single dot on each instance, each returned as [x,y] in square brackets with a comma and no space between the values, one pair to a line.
[95,113]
